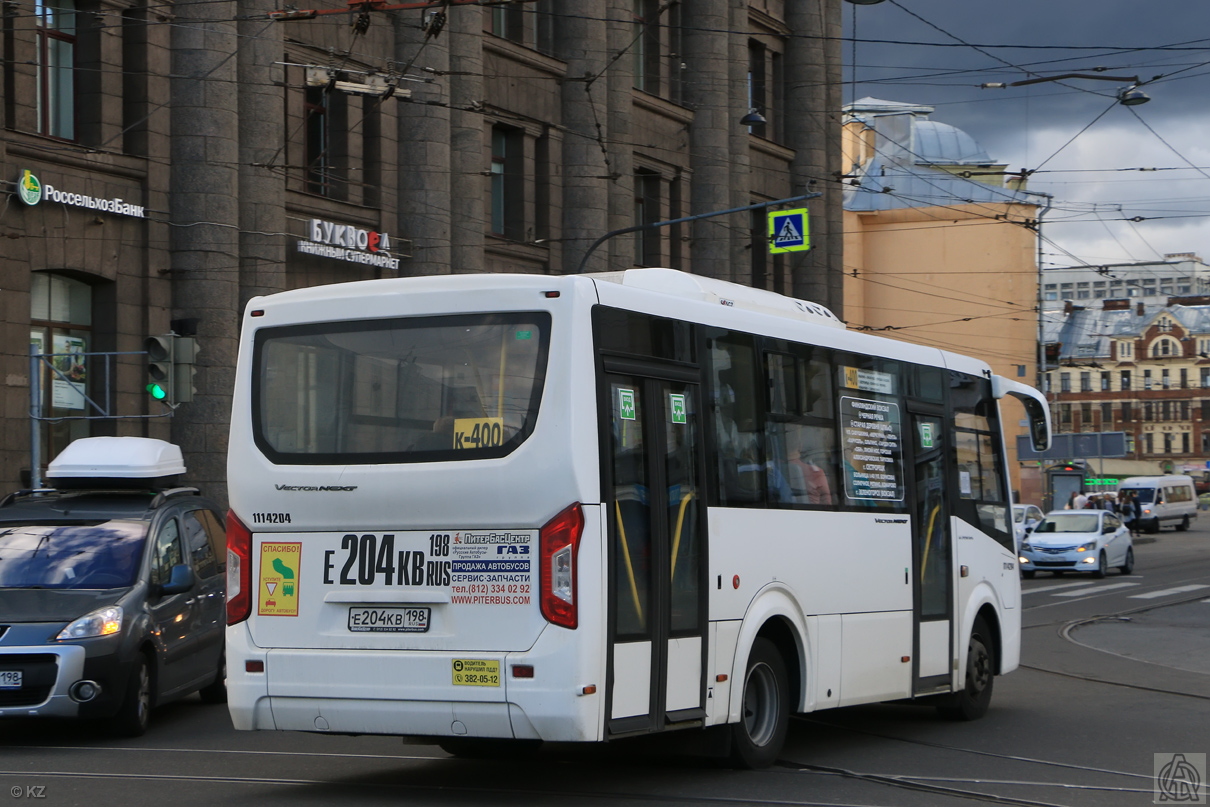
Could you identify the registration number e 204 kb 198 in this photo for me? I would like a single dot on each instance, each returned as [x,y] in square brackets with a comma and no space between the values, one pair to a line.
[388,620]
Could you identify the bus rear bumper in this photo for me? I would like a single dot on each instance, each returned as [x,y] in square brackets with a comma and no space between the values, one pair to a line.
[410,693]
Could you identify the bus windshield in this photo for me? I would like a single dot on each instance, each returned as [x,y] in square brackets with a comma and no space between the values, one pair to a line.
[399,390]
[1145,495]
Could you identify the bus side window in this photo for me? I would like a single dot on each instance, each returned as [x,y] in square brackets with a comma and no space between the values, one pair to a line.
[737,413]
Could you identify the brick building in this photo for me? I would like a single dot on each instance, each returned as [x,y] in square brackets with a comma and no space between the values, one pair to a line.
[166,163]
[1137,368]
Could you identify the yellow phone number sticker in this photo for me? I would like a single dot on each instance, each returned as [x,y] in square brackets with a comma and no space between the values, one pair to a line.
[476,672]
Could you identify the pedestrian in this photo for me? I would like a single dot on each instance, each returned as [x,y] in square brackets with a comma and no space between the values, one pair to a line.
[1078,500]
[1128,510]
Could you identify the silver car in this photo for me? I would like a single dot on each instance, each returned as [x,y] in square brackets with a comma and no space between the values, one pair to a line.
[1093,541]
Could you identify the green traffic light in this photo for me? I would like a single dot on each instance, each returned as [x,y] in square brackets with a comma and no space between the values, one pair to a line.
[157,392]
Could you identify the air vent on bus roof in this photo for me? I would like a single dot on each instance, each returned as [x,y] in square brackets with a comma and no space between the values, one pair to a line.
[720,292]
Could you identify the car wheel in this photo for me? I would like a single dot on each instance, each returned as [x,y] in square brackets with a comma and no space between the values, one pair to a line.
[1184,525]
[975,697]
[1128,565]
[216,691]
[1102,565]
[1153,526]
[1029,574]
[757,739]
[134,715]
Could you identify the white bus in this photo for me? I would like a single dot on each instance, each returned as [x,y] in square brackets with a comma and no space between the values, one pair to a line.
[481,507]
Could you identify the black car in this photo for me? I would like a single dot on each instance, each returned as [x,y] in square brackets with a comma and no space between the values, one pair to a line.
[111,602]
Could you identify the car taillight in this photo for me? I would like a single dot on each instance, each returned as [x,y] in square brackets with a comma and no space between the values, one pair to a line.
[239,570]
[558,546]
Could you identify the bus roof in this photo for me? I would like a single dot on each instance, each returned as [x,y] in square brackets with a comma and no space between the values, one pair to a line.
[722,292]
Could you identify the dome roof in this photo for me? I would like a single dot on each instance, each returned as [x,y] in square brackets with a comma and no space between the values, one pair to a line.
[942,144]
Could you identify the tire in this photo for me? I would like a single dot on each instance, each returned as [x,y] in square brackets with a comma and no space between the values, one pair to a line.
[972,701]
[1102,566]
[1184,525]
[216,691]
[1153,526]
[1128,565]
[1029,574]
[757,739]
[134,715]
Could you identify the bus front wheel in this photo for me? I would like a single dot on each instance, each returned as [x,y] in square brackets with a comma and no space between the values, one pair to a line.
[757,739]
[971,702]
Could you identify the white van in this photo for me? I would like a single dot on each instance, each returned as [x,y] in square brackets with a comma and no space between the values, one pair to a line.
[1163,500]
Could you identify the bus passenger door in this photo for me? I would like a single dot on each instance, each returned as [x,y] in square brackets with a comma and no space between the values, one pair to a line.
[656,554]
[932,555]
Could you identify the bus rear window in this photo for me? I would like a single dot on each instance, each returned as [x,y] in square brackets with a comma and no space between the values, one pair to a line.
[399,390]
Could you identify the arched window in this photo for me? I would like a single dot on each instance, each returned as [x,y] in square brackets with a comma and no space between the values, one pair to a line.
[61,323]
[1165,346]
[56,64]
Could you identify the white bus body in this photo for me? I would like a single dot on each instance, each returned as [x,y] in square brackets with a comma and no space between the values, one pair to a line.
[737,493]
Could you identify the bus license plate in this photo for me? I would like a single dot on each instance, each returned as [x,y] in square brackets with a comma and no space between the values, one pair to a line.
[388,620]
[10,679]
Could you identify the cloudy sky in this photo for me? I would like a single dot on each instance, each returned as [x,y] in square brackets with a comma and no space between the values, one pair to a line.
[938,52]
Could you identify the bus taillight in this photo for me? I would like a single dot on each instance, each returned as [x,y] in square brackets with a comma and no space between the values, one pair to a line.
[239,570]
[558,545]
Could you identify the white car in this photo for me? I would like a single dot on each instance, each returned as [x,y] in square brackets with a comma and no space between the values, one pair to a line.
[1025,518]
[1078,541]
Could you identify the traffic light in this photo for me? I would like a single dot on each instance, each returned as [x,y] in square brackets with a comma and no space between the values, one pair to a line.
[160,351]
[183,357]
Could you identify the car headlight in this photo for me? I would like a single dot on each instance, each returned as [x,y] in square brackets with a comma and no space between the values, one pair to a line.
[1088,547]
[1026,546]
[102,622]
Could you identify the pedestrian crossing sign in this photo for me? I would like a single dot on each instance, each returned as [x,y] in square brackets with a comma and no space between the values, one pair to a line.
[788,231]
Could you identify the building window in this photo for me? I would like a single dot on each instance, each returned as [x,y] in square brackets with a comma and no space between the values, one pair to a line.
[508,22]
[1064,382]
[1148,444]
[1165,411]
[647,243]
[1146,379]
[1167,442]
[1085,382]
[1106,416]
[1205,376]
[1206,410]
[1205,442]
[1148,412]
[1184,405]
[757,89]
[61,323]
[56,66]
[646,48]
[1164,325]
[768,271]
[1164,379]
[1184,442]
[325,114]
[1127,412]
[1105,376]
[507,183]
[1125,350]
[1184,378]
[1085,417]
[1065,417]
[1125,381]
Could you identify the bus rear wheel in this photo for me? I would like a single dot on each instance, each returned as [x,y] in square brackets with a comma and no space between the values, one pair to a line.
[972,701]
[758,737]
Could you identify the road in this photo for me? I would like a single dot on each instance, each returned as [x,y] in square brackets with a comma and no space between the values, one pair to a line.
[1113,672]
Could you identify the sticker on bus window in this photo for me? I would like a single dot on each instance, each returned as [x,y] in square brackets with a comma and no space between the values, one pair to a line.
[277,592]
[926,435]
[677,404]
[478,432]
[869,380]
[626,406]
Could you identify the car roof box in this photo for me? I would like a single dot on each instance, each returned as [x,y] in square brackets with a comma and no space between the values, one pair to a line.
[116,462]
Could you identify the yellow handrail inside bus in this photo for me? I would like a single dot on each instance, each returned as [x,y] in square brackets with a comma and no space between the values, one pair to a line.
[634,586]
[680,523]
[928,541]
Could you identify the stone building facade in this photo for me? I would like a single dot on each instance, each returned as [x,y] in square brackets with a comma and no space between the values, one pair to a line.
[1141,369]
[254,154]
